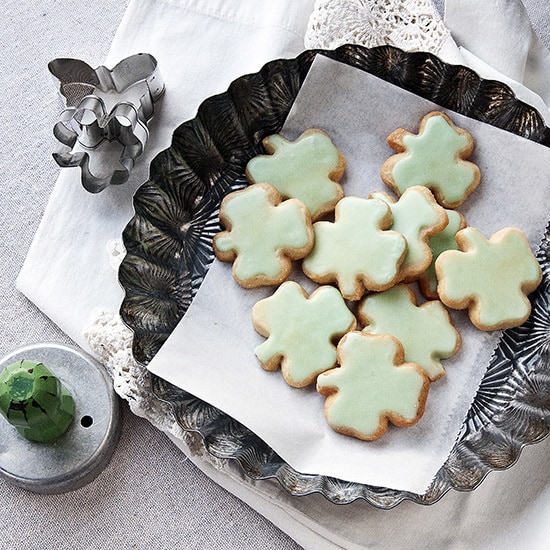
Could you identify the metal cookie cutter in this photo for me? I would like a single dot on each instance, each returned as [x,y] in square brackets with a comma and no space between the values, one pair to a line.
[104,127]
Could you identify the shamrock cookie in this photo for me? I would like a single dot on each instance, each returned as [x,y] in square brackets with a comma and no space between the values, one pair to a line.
[435,158]
[301,331]
[427,281]
[417,216]
[356,250]
[262,235]
[371,386]
[489,277]
[426,332]
[307,169]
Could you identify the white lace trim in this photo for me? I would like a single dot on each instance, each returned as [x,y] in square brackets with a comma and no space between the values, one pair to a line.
[116,251]
[412,25]
[111,343]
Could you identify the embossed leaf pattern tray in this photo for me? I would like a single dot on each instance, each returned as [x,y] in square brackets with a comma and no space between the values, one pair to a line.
[169,250]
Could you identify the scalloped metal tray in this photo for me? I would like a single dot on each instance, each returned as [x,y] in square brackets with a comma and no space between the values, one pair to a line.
[169,250]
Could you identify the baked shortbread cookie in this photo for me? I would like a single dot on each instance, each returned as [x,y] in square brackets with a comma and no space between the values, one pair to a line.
[446,240]
[302,331]
[435,158]
[372,386]
[357,250]
[417,216]
[308,169]
[263,235]
[426,332]
[490,277]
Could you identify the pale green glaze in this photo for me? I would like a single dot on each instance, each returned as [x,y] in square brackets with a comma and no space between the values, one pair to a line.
[370,387]
[491,277]
[414,214]
[354,251]
[425,332]
[301,330]
[260,231]
[433,161]
[439,243]
[300,170]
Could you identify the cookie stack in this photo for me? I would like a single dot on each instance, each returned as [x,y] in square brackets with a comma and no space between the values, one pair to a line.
[366,253]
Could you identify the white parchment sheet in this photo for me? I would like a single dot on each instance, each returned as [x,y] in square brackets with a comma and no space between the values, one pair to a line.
[210,353]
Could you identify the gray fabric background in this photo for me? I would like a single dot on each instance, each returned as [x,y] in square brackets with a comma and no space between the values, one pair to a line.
[149,496]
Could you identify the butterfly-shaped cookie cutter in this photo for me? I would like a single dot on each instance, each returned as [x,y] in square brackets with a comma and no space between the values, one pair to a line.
[104,108]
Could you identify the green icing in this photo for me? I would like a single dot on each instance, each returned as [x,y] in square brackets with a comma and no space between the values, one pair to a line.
[301,330]
[433,161]
[490,276]
[354,251]
[439,243]
[425,331]
[413,215]
[259,231]
[300,169]
[370,388]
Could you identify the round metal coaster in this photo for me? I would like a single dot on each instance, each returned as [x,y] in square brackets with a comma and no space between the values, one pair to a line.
[82,452]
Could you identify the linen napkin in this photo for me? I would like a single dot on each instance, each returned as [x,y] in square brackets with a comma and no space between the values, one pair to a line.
[495,36]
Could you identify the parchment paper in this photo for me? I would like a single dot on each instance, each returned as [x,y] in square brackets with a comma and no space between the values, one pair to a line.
[210,353]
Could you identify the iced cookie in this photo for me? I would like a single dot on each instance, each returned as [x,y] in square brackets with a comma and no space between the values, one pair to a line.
[427,280]
[301,331]
[426,332]
[434,158]
[308,169]
[417,216]
[372,386]
[357,251]
[491,278]
[263,235]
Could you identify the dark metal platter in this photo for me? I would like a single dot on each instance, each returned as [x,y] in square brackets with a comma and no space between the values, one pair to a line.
[169,251]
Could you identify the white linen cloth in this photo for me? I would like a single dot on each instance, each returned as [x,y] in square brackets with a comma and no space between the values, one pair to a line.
[496,39]
[67,280]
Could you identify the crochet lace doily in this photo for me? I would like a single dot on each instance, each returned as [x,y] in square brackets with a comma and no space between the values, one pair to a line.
[406,24]
[111,343]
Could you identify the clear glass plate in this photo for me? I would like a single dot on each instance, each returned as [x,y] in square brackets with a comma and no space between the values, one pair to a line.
[169,251]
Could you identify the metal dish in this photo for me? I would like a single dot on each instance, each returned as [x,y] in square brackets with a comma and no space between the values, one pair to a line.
[169,250]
